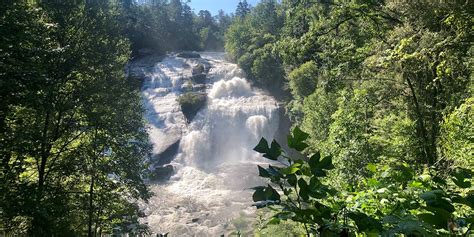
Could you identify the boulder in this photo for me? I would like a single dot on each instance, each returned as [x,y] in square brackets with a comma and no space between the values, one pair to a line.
[199,78]
[199,69]
[163,173]
[191,103]
[167,155]
[188,55]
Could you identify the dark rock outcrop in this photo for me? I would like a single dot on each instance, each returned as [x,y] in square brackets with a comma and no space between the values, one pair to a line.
[198,69]
[163,173]
[167,155]
[188,55]
[199,78]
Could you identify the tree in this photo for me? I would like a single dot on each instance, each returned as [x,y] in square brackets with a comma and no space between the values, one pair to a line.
[243,8]
[74,119]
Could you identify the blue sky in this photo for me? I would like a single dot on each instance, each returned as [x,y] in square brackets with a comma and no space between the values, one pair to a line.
[214,5]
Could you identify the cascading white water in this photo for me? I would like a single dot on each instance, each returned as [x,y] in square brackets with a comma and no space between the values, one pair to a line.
[215,164]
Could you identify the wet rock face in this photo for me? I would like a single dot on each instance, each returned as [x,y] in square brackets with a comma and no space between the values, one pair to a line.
[188,55]
[163,173]
[199,78]
[199,87]
[191,103]
[198,69]
[167,155]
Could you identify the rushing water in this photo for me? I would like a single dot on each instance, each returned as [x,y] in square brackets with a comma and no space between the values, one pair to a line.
[214,166]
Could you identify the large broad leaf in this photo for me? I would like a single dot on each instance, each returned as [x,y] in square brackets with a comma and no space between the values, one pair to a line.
[292,180]
[314,159]
[436,199]
[326,163]
[275,151]
[272,152]
[462,178]
[439,180]
[304,189]
[271,172]
[296,140]
[442,216]
[470,199]
[259,194]
[365,223]
[265,196]
[271,194]
[262,172]
[262,146]
[291,169]
[318,166]
[433,220]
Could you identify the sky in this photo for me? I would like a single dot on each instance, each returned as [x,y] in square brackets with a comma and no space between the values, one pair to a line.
[213,6]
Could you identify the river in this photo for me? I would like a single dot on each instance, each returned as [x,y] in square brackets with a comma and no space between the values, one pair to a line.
[211,156]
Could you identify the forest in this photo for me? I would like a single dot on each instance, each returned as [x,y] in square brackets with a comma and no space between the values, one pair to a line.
[379,95]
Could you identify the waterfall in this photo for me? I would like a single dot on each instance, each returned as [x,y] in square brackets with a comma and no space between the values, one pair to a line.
[214,166]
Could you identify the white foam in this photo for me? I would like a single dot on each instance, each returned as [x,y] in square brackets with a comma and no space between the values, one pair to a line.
[215,164]
[235,87]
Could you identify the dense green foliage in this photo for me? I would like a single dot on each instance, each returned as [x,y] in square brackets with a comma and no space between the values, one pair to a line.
[73,140]
[392,200]
[382,84]
[72,136]
[163,25]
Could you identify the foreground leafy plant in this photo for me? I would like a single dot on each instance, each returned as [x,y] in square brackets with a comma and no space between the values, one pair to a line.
[395,200]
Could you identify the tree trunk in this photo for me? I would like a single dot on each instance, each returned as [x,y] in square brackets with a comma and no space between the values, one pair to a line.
[421,124]
[91,199]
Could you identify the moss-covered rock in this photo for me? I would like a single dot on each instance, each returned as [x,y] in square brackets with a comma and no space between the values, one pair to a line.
[191,103]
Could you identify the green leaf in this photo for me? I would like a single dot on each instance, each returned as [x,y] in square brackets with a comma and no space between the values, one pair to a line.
[365,223]
[274,221]
[263,193]
[439,180]
[291,169]
[259,194]
[272,152]
[274,171]
[470,199]
[436,199]
[314,159]
[304,189]
[296,140]
[326,163]
[262,172]
[434,220]
[262,146]
[371,167]
[292,180]
[275,151]
[314,183]
[318,166]
[461,178]
[271,194]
